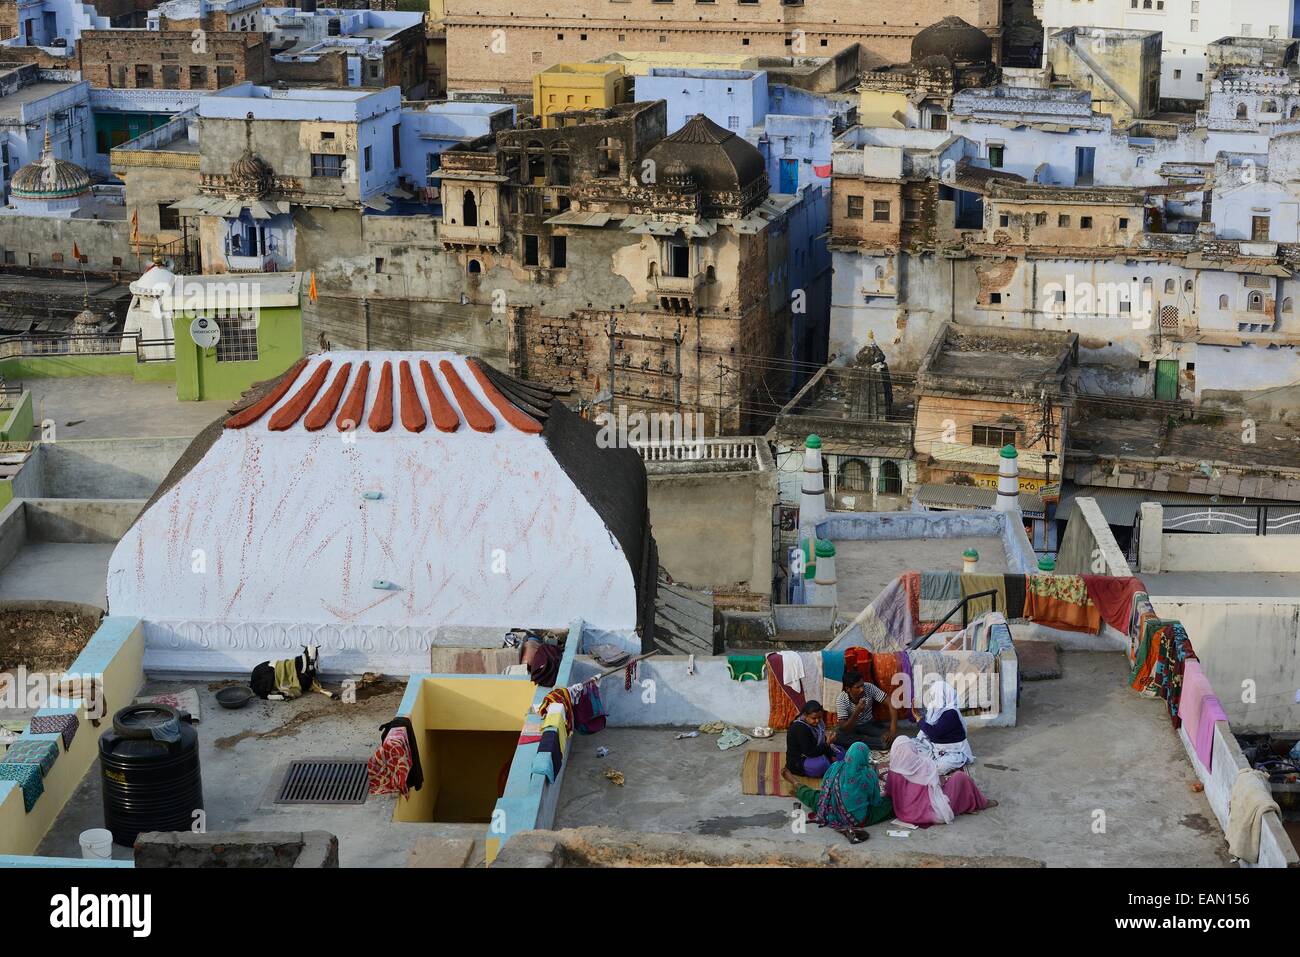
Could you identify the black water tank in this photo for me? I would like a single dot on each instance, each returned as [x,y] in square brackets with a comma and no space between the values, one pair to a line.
[149,784]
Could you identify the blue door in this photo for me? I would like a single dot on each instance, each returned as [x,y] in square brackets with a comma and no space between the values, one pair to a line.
[789,176]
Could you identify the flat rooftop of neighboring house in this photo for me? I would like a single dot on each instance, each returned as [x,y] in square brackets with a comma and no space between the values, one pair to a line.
[1003,354]
[118,407]
[866,568]
[12,105]
[1082,742]
[1212,436]
[300,103]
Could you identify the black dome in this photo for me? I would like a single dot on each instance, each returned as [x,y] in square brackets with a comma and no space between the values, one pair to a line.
[955,40]
[719,160]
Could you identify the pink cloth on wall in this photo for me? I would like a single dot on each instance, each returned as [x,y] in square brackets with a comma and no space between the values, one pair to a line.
[1211,711]
[912,801]
[1196,688]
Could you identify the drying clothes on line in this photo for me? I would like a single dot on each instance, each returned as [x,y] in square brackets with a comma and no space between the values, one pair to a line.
[784,704]
[974,584]
[589,711]
[1141,608]
[28,778]
[1061,601]
[1211,711]
[812,672]
[1251,799]
[1114,598]
[747,667]
[1014,586]
[833,665]
[64,725]
[554,721]
[940,592]
[629,675]
[562,697]
[792,673]
[888,676]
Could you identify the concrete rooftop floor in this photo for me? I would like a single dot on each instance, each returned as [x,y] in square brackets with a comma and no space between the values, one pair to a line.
[865,568]
[243,755]
[59,571]
[110,407]
[1084,744]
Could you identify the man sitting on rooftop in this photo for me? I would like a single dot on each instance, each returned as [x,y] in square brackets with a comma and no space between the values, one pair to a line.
[853,707]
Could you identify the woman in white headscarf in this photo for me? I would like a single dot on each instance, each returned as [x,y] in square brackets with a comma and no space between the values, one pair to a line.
[918,793]
[942,734]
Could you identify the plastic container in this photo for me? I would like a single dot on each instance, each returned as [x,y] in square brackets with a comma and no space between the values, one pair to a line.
[96,844]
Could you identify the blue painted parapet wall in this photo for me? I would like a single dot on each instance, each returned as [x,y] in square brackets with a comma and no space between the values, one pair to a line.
[901,526]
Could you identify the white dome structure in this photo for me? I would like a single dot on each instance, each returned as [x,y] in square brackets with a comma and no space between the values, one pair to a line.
[147,319]
[378,504]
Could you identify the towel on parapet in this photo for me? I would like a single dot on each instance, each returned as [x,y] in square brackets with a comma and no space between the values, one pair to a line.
[1250,800]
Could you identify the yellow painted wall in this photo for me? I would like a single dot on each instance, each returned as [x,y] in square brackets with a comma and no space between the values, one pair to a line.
[460,704]
[576,86]
[877,108]
[639,63]
[20,831]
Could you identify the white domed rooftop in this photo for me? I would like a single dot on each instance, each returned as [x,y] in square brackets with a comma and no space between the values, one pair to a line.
[156,281]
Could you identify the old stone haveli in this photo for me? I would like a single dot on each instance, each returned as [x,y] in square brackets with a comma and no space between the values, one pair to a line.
[499,45]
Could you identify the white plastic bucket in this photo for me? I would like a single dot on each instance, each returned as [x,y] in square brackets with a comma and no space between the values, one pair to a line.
[96,844]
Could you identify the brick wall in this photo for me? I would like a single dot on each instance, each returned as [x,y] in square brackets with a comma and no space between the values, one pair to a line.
[119,59]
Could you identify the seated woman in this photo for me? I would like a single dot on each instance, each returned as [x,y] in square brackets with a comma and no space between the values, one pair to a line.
[849,798]
[808,750]
[943,730]
[914,787]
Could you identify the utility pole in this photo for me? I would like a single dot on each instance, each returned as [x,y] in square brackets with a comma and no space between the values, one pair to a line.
[722,372]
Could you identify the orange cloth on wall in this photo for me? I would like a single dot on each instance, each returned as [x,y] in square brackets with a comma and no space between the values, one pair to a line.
[780,709]
[886,667]
[1056,613]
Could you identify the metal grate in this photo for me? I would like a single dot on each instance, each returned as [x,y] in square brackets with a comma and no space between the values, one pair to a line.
[324,781]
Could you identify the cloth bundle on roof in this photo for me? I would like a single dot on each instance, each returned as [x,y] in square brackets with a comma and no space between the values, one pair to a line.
[1250,800]
[28,778]
[394,768]
[1061,601]
[64,725]
[1147,650]
[543,661]
[886,624]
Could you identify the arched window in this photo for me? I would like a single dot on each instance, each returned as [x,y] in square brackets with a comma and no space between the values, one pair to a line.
[880,272]
[1241,111]
[474,266]
[1171,286]
[1269,106]
[711,275]
[891,480]
[560,167]
[1255,302]
[469,209]
[1287,304]
[1187,286]
[536,162]
[854,476]
[1223,302]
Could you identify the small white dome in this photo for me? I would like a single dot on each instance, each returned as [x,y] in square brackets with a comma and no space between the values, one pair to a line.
[156,281]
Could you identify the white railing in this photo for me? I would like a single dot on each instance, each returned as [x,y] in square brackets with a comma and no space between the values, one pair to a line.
[717,449]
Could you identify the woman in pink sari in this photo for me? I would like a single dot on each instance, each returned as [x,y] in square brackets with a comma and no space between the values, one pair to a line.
[920,797]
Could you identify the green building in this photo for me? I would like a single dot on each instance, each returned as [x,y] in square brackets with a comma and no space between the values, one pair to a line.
[259,319]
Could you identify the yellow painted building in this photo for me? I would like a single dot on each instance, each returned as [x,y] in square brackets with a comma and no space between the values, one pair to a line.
[639,63]
[577,86]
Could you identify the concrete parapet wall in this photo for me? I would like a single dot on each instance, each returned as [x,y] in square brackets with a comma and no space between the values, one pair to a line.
[100,468]
[675,698]
[1088,547]
[297,849]
[895,526]
[80,520]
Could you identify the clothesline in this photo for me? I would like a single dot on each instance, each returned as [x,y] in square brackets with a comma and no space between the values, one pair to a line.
[623,667]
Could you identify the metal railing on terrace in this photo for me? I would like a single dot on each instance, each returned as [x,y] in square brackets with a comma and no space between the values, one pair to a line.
[83,344]
[1233,519]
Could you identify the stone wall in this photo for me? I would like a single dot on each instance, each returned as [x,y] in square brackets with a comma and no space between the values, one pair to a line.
[280,849]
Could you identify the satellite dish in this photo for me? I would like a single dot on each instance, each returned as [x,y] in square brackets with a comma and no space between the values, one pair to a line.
[205,332]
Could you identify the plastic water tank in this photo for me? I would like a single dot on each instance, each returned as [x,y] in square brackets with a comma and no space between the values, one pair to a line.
[149,764]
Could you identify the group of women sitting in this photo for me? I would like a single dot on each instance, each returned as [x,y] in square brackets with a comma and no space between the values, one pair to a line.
[925,784]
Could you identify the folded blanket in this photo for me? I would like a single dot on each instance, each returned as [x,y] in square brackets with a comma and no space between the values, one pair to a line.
[1061,601]
[38,752]
[974,584]
[1113,598]
[29,779]
[1251,799]
[940,591]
